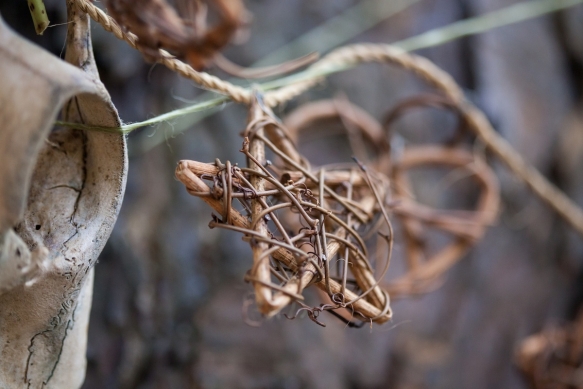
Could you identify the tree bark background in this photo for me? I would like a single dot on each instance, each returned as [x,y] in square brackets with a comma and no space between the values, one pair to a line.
[168,291]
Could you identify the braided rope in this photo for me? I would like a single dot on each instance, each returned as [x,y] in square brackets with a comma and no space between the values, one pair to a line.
[205,80]
[348,56]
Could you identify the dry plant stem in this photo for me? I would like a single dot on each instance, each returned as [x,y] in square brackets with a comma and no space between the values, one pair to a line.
[296,284]
[346,250]
[322,234]
[39,15]
[233,69]
[260,270]
[361,269]
[195,185]
[365,279]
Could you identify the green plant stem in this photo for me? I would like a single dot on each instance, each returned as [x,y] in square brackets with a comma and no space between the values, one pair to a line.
[39,15]
[503,17]
[127,128]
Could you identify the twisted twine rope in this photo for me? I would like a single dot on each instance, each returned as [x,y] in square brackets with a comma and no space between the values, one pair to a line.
[351,55]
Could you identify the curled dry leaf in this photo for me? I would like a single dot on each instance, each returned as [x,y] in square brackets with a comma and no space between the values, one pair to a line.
[60,193]
[182,30]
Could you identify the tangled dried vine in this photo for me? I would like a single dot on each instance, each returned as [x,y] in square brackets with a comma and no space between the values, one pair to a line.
[337,215]
[301,224]
[317,226]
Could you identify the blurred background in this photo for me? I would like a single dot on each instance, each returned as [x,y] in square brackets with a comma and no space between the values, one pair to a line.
[169,292]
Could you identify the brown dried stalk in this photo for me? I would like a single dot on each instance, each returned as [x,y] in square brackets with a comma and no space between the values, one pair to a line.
[196,186]
[235,70]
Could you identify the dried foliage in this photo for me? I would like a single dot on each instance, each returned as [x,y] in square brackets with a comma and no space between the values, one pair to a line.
[182,30]
[326,226]
[552,359]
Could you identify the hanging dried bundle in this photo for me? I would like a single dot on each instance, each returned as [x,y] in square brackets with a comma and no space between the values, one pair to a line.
[327,226]
[182,30]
